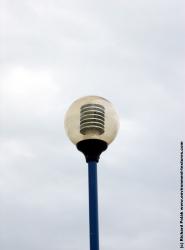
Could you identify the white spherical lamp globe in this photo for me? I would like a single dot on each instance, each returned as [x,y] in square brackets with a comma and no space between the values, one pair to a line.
[91,117]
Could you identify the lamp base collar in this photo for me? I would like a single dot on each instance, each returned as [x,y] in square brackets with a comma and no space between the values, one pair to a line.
[92,148]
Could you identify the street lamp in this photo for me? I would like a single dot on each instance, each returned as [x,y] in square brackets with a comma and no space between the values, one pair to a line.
[91,123]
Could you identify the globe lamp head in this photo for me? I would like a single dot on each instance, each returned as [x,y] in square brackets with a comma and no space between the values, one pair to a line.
[91,123]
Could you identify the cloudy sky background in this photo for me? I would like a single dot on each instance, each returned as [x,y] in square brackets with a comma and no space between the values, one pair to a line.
[53,52]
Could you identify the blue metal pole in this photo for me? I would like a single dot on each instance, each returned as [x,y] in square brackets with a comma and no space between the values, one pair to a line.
[93,205]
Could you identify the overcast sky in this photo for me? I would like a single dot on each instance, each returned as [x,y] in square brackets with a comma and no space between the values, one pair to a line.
[131,52]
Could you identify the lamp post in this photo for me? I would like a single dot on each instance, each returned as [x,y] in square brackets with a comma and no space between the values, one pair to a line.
[91,123]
